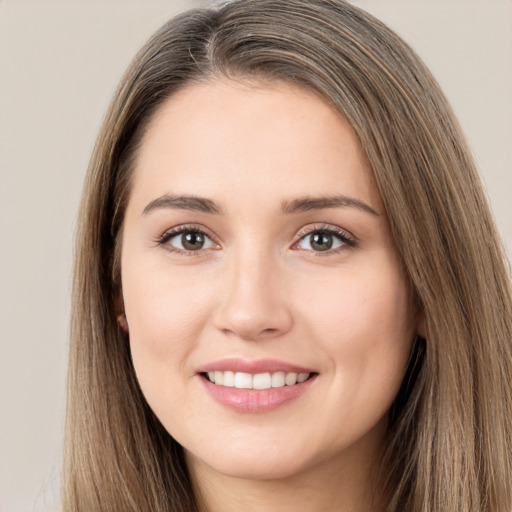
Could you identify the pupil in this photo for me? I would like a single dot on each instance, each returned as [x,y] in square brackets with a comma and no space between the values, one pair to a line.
[321,241]
[192,241]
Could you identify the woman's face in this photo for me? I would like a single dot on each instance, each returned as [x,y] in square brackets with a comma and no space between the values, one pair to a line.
[256,253]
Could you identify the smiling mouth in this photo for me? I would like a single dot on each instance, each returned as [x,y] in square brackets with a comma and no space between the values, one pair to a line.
[242,380]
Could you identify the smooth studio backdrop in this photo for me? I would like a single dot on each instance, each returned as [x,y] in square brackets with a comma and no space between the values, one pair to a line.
[59,65]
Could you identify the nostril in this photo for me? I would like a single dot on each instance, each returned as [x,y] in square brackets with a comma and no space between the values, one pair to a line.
[253,312]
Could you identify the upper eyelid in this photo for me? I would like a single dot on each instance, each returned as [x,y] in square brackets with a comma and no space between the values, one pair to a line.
[330,228]
[181,228]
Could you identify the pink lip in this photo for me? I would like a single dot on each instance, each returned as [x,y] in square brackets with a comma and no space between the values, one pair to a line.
[235,364]
[254,400]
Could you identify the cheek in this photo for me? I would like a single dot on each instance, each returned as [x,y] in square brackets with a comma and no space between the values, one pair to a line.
[364,321]
[364,328]
[166,313]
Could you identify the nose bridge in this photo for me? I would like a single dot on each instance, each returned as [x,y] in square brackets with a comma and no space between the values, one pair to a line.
[253,304]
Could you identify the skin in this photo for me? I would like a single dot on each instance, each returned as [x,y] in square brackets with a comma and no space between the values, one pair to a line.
[259,289]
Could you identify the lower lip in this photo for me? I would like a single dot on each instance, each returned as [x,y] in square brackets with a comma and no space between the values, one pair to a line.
[255,400]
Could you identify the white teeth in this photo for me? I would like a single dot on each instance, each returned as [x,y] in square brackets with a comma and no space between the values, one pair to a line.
[229,379]
[243,380]
[278,380]
[290,379]
[262,381]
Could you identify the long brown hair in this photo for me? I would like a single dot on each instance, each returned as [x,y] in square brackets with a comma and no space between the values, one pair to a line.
[450,433]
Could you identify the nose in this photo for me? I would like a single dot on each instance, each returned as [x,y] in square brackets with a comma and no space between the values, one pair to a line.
[253,304]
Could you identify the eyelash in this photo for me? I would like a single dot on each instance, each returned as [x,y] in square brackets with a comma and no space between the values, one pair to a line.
[179,230]
[348,240]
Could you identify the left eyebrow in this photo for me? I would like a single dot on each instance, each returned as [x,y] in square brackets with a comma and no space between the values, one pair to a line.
[193,203]
[304,204]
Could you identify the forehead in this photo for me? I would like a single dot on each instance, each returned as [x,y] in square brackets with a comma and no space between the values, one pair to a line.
[224,137]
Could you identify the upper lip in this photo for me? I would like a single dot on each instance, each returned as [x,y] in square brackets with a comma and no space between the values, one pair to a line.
[253,366]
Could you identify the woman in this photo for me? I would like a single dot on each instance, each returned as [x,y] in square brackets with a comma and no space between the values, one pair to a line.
[289,291]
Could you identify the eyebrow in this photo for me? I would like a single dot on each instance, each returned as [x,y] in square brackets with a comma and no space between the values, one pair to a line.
[304,204]
[193,203]
[299,205]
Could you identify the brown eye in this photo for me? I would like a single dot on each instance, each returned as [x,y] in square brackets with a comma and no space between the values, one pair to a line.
[192,241]
[321,241]
[188,241]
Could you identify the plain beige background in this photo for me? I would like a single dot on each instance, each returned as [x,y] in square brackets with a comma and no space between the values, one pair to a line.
[59,64]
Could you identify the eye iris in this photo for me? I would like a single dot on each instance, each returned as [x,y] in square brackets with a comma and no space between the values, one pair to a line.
[321,241]
[192,241]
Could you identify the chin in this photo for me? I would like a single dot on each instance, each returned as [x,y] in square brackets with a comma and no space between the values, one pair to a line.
[252,462]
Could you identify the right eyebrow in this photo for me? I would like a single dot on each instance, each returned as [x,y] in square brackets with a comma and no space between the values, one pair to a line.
[193,203]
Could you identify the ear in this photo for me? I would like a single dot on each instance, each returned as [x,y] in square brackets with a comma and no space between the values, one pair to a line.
[119,310]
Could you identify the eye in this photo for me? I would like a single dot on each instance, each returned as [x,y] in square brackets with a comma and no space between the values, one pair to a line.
[187,240]
[325,239]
